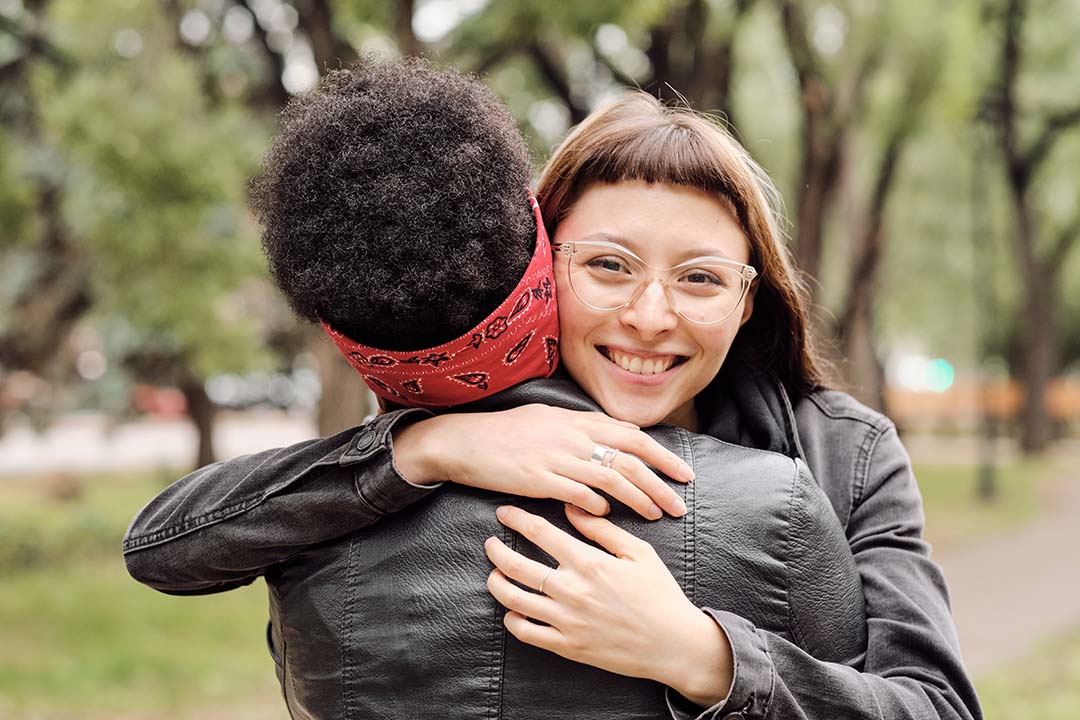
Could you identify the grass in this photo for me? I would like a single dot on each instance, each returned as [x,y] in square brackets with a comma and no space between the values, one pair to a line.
[1045,685]
[83,640]
[954,513]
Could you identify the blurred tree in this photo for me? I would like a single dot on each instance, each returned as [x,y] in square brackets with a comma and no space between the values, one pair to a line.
[1031,124]
[46,289]
[145,208]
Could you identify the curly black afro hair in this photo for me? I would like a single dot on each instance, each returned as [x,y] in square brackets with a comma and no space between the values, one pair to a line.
[394,205]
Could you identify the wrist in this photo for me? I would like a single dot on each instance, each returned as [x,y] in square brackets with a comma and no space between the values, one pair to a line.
[417,457]
[704,669]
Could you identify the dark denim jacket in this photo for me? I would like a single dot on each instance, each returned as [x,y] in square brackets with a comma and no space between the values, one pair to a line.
[207,534]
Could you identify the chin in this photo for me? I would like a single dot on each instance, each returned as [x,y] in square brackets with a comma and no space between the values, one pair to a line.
[642,416]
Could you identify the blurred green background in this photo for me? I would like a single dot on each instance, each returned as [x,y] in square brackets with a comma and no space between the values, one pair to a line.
[927,152]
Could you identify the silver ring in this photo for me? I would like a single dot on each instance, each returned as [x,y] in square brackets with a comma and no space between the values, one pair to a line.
[609,457]
[599,452]
[544,580]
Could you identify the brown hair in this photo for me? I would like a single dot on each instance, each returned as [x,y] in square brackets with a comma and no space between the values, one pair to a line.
[638,138]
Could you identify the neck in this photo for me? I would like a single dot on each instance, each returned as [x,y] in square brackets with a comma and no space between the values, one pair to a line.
[685,417]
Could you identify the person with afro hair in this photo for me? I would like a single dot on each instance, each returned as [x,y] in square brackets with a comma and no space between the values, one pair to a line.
[393,203]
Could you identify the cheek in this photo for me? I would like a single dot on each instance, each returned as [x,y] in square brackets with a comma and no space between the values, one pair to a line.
[715,342]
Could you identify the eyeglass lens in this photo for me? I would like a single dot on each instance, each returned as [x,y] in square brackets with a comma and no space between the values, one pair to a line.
[704,292]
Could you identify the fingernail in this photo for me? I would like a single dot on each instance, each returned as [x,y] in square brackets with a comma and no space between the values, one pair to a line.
[680,507]
[502,512]
[686,473]
[655,513]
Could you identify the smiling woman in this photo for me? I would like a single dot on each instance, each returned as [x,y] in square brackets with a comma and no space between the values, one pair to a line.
[644,360]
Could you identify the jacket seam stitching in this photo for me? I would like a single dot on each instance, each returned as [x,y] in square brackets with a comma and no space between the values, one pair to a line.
[828,410]
[346,631]
[793,622]
[861,471]
[772,678]
[498,648]
[191,524]
[689,528]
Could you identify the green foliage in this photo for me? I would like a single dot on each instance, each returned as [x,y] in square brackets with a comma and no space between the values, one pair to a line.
[155,190]
[15,197]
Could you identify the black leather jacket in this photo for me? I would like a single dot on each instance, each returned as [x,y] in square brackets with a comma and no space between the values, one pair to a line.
[379,623]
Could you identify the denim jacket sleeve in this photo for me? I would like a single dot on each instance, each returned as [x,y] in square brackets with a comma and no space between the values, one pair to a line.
[221,526]
[912,667]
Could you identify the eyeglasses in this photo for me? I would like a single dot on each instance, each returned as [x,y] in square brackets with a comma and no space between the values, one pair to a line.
[607,276]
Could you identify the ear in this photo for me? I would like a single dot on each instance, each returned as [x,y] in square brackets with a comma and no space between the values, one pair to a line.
[748,303]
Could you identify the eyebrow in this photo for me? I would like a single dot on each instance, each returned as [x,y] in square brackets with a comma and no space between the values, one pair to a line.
[703,251]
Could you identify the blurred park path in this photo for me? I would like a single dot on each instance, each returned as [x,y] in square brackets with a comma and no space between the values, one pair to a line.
[91,443]
[1016,589]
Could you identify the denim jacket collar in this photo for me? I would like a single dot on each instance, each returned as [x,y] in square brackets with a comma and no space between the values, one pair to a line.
[751,408]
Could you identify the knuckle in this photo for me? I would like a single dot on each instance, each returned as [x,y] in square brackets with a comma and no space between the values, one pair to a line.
[514,567]
[591,566]
[641,548]
[533,526]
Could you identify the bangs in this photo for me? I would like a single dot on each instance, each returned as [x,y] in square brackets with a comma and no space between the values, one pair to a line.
[657,145]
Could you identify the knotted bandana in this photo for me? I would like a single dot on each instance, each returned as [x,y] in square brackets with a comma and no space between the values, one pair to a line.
[518,341]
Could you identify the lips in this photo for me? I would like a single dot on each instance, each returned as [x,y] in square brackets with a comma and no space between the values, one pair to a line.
[641,364]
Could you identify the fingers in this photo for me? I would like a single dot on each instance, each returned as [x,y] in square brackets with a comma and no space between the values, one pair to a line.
[618,486]
[518,567]
[533,605]
[648,450]
[543,637]
[606,534]
[560,545]
[642,477]
[573,492]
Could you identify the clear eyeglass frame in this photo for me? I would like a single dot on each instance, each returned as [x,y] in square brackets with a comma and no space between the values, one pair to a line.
[746,272]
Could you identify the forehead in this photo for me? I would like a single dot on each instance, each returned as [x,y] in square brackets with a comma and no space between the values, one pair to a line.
[664,224]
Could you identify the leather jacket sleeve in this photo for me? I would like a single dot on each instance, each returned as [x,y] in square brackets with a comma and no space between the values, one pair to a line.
[912,667]
[219,527]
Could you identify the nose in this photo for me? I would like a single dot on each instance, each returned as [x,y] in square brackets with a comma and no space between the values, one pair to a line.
[650,313]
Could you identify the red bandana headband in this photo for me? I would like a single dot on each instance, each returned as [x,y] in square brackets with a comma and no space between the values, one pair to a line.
[518,341]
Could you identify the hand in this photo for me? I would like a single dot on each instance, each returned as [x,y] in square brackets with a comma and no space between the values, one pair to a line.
[619,610]
[543,452]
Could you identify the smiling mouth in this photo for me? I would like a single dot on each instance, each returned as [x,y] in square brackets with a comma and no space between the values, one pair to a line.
[653,365]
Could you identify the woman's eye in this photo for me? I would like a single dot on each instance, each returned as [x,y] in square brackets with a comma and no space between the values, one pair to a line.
[703,277]
[608,264]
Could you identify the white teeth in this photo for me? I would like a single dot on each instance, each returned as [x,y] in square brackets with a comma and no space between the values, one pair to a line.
[647,366]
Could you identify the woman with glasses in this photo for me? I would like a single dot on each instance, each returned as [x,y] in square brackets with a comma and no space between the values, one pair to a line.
[679,308]
[679,304]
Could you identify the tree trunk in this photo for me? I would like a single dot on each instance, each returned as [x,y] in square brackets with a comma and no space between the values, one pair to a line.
[345,400]
[1039,354]
[406,38]
[863,371]
[820,165]
[201,410]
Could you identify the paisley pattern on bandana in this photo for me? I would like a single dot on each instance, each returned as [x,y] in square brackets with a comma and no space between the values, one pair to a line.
[490,357]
